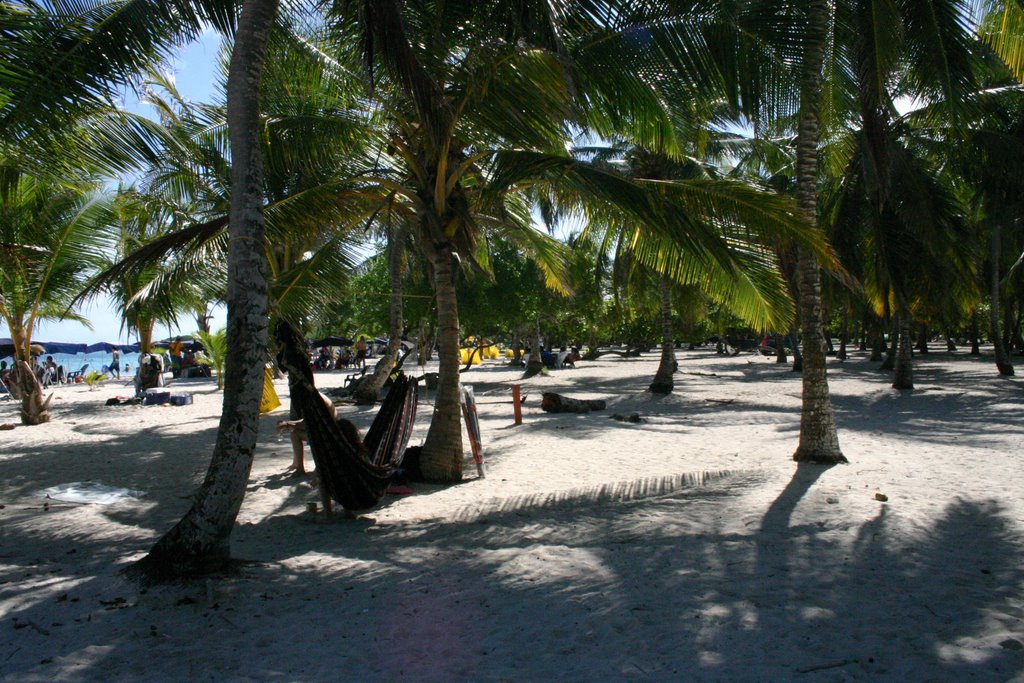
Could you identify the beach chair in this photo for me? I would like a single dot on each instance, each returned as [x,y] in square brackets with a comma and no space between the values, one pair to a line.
[72,377]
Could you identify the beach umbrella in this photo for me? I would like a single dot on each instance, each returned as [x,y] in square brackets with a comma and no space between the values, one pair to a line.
[103,346]
[67,348]
[331,341]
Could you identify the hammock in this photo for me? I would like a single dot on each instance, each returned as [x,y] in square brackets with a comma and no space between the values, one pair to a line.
[354,474]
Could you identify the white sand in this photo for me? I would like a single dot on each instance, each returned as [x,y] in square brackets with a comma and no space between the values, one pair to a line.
[685,548]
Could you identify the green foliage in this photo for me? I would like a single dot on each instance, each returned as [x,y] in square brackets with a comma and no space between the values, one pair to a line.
[93,378]
[215,345]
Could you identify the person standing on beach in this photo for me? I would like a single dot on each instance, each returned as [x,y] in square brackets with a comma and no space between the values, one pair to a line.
[115,365]
[361,351]
[176,350]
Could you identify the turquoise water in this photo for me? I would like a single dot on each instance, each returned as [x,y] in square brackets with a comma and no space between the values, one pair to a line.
[96,361]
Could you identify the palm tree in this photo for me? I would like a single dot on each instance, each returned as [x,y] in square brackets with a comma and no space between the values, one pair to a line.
[51,238]
[819,440]
[200,539]
[368,390]
[215,345]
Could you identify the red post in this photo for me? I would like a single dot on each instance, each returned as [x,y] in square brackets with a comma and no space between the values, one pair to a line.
[517,404]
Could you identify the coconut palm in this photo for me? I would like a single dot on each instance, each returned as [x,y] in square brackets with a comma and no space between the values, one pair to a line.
[466,97]
[215,345]
[51,238]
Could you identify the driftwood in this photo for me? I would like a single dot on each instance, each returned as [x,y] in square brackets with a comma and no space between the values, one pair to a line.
[632,352]
[556,403]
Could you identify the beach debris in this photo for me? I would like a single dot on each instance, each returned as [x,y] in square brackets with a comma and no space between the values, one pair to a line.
[123,401]
[829,665]
[881,497]
[726,401]
[832,500]
[556,403]
[632,417]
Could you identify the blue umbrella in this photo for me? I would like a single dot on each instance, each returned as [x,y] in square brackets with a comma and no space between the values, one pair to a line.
[68,348]
[102,346]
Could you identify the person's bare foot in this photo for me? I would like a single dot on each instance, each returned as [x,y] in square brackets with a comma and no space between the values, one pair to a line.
[294,471]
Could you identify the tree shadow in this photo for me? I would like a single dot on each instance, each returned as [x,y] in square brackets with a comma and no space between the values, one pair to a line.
[648,581]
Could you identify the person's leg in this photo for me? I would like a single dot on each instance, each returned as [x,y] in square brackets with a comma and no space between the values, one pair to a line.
[298,460]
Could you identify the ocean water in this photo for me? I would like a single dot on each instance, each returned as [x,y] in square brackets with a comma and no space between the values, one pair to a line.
[97,361]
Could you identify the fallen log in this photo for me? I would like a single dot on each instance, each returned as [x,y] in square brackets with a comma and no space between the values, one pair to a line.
[556,403]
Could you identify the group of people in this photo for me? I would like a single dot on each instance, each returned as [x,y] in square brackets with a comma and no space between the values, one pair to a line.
[340,358]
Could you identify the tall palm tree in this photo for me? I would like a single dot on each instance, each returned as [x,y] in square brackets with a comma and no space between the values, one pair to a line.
[199,541]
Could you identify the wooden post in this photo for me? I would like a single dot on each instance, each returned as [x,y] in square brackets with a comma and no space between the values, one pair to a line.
[517,406]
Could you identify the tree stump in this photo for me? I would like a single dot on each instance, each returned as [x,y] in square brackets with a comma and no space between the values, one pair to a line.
[556,403]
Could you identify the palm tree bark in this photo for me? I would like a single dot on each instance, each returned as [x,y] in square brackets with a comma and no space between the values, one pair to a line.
[663,382]
[819,441]
[844,334]
[25,386]
[975,334]
[200,541]
[1003,362]
[903,378]
[536,363]
[894,336]
[780,348]
[441,458]
[368,390]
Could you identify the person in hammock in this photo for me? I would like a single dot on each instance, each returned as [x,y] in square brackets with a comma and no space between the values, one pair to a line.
[297,428]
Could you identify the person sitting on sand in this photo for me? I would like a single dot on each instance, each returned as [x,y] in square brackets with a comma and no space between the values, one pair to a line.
[150,374]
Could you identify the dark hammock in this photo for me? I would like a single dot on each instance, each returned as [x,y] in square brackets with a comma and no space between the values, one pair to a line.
[355,475]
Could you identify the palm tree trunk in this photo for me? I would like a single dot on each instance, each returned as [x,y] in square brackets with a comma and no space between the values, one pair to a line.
[368,391]
[536,364]
[975,341]
[798,356]
[1003,362]
[894,338]
[904,375]
[780,348]
[200,541]
[25,386]
[663,383]
[922,339]
[145,331]
[844,333]
[819,441]
[441,458]
[877,342]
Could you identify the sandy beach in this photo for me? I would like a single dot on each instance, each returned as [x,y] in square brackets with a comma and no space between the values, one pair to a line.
[685,547]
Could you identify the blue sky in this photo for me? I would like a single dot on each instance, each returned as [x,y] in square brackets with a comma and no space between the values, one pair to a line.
[193,71]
